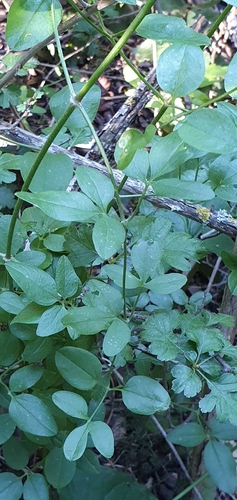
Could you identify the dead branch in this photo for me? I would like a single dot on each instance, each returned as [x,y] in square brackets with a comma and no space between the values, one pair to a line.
[220,221]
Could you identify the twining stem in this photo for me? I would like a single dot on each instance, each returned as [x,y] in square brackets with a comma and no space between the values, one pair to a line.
[92,80]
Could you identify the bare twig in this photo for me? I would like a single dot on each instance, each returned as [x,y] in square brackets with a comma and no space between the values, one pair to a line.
[174,451]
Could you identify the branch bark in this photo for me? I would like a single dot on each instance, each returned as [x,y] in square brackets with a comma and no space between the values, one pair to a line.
[221,221]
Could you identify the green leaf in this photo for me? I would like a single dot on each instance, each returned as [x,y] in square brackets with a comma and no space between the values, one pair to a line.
[145,396]
[178,247]
[222,396]
[30,21]
[223,430]
[104,297]
[188,435]
[186,381]
[61,206]
[58,470]
[25,377]
[11,302]
[102,437]
[220,464]
[138,168]
[9,348]
[159,331]
[108,236]
[187,190]
[31,257]
[95,185]
[61,100]
[230,81]
[39,286]
[67,281]
[37,350]
[78,367]
[15,454]
[72,404]
[35,488]
[116,337]
[75,443]
[169,29]
[232,282]
[87,320]
[10,486]
[54,242]
[209,130]
[89,463]
[166,283]
[54,172]
[130,141]
[145,257]
[206,339]
[32,415]
[50,321]
[7,427]
[4,230]
[115,273]
[186,74]
[166,154]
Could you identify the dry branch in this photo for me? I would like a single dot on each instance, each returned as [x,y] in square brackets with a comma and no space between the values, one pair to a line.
[220,221]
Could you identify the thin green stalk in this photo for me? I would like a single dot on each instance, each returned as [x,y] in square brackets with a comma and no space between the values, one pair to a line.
[60,53]
[191,486]
[124,276]
[92,80]
[219,20]
[104,156]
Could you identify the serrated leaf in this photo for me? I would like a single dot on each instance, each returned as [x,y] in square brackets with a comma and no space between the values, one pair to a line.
[10,486]
[37,284]
[75,443]
[32,415]
[169,29]
[166,283]
[186,74]
[209,130]
[186,190]
[159,331]
[58,470]
[116,337]
[78,367]
[71,403]
[25,377]
[30,21]
[206,339]
[145,396]
[35,488]
[62,206]
[50,321]
[221,466]
[188,435]
[223,397]
[95,185]
[178,247]
[186,381]
[108,236]
[102,437]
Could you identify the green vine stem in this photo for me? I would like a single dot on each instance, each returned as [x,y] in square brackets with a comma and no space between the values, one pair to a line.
[92,80]
[219,20]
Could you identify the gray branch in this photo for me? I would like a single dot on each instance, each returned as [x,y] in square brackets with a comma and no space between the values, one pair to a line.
[221,221]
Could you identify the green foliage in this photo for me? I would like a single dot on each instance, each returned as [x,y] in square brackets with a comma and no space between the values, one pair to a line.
[88,288]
